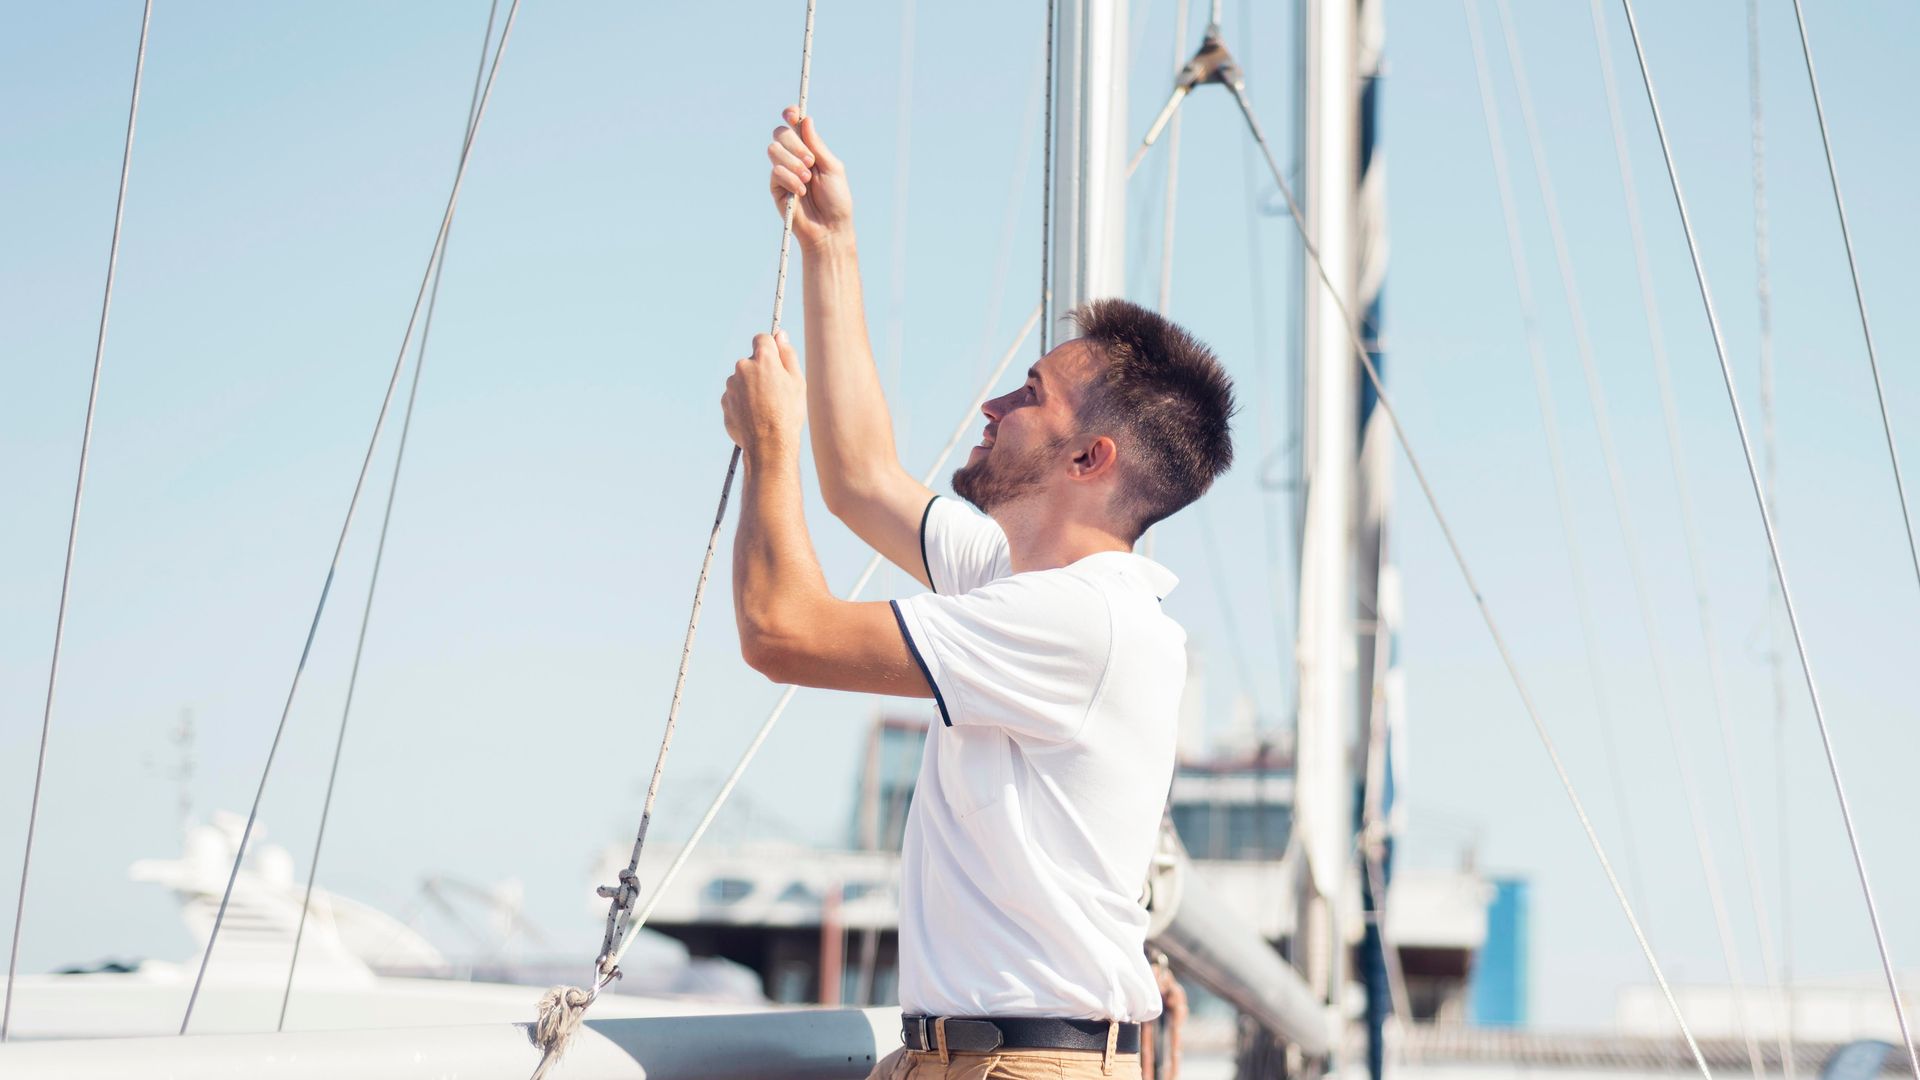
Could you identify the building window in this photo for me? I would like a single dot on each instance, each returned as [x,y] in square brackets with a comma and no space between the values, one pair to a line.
[728,890]
[796,893]
[1223,830]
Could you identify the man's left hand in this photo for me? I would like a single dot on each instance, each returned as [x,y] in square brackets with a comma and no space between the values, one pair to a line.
[765,404]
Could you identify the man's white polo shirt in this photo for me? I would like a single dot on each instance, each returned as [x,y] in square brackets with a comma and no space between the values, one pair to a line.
[1040,794]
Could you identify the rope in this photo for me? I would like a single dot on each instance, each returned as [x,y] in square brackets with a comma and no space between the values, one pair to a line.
[353,503]
[629,877]
[561,1010]
[960,432]
[1616,484]
[1676,455]
[1773,546]
[1372,373]
[73,522]
[1549,417]
[379,555]
[1859,300]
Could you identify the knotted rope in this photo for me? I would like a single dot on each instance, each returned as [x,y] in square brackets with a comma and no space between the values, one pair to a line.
[563,1007]
[561,1011]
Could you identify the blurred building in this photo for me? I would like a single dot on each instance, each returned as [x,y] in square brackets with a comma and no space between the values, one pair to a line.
[1500,976]
[820,924]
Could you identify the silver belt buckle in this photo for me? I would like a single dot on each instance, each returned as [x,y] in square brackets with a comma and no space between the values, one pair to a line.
[926,1043]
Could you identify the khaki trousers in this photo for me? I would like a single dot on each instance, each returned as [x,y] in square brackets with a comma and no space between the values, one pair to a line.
[904,1064]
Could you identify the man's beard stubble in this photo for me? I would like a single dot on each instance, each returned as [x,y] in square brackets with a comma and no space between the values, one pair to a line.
[994,482]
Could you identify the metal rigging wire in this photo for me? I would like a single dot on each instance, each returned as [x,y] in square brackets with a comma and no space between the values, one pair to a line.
[1216,564]
[1238,87]
[1622,509]
[380,550]
[1570,533]
[73,522]
[1859,297]
[353,503]
[1773,547]
[1873,362]
[1676,454]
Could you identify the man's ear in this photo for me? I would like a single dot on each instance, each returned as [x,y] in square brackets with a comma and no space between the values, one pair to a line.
[1096,459]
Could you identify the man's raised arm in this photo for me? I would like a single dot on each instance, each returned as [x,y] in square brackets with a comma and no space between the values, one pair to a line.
[861,478]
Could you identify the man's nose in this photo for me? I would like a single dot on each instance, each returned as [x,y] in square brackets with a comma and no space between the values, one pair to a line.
[994,408]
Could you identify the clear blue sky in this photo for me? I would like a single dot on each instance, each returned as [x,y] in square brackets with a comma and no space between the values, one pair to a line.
[614,250]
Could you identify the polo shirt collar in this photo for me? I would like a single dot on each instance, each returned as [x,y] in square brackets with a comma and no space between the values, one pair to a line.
[1160,579]
[1157,578]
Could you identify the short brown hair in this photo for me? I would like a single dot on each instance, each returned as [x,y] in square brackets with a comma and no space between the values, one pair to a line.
[1166,400]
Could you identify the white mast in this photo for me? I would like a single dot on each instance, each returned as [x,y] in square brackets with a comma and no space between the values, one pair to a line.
[1328,718]
[1089,190]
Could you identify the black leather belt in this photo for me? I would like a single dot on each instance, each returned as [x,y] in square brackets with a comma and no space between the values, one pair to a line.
[984,1034]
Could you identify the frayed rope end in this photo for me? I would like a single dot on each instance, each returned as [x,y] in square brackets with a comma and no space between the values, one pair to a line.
[561,1010]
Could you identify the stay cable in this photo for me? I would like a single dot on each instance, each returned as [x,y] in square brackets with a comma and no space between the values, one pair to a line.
[73,522]
[1773,547]
[379,553]
[353,503]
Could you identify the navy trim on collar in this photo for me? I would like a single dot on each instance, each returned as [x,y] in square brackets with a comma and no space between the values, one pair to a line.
[924,672]
[924,515]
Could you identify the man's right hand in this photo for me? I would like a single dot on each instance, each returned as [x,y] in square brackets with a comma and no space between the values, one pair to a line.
[805,169]
[861,479]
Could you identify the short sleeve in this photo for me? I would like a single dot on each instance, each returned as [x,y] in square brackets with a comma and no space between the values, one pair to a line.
[962,550]
[1027,653]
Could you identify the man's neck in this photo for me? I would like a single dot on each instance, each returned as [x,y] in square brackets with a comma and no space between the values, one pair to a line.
[1040,540]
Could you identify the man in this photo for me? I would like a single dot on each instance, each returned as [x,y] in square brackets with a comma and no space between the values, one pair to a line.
[1055,673]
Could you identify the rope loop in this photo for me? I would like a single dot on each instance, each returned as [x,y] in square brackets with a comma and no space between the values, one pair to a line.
[619,913]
